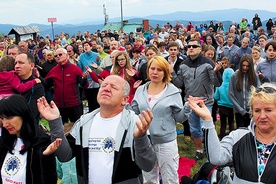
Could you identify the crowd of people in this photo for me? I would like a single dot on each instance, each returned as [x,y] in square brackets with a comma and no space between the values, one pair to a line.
[137,89]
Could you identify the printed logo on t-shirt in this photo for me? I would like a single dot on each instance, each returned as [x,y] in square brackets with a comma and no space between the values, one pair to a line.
[106,145]
[13,166]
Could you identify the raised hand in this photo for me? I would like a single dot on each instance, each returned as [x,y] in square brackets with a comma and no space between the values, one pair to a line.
[130,72]
[143,125]
[94,65]
[88,69]
[49,112]
[261,75]
[137,84]
[198,106]
[37,80]
[52,147]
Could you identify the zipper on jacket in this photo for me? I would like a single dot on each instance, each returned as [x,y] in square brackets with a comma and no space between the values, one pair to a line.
[195,73]
[63,86]
[270,70]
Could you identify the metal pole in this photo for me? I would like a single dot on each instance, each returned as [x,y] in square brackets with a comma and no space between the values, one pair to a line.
[53,31]
[122,14]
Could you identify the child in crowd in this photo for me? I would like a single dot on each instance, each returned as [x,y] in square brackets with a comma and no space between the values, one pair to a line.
[225,62]
[224,103]
[9,80]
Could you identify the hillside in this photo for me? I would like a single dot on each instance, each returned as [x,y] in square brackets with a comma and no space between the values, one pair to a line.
[225,16]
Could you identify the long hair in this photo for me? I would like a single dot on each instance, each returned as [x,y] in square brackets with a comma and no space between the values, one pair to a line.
[16,105]
[116,68]
[252,79]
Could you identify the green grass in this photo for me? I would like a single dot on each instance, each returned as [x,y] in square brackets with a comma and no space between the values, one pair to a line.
[45,123]
[186,148]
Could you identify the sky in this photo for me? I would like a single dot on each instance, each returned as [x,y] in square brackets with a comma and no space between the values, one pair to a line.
[24,12]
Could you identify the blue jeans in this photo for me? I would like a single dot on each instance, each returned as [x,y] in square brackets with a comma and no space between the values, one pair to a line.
[195,123]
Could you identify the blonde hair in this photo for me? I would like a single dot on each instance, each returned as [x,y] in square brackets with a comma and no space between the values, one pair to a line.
[262,94]
[256,48]
[163,64]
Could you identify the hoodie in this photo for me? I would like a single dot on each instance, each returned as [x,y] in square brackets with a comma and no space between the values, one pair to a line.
[221,94]
[10,81]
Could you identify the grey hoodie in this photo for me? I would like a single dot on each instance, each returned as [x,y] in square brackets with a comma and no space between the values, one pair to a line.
[167,111]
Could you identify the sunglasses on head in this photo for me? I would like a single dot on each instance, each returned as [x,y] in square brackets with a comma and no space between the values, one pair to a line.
[60,54]
[266,90]
[193,46]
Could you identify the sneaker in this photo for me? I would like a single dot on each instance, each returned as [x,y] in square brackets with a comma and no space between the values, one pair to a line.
[198,156]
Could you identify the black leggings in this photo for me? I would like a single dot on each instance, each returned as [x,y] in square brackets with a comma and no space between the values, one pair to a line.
[71,114]
[242,121]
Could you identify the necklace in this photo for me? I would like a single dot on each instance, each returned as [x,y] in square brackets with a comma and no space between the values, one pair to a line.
[271,141]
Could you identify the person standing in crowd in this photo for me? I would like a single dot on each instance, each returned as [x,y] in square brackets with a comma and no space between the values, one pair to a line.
[123,68]
[239,89]
[85,59]
[229,51]
[105,72]
[23,145]
[269,25]
[100,50]
[24,67]
[65,78]
[127,150]
[244,49]
[210,52]
[72,53]
[261,42]
[256,22]
[198,76]
[25,47]
[165,102]
[9,81]
[252,150]
[256,55]
[14,50]
[266,70]
[45,69]
[224,104]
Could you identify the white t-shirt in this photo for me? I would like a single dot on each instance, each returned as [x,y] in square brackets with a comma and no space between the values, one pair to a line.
[14,167]
[101,148]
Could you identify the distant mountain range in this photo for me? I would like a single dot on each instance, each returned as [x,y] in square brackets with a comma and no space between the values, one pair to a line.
[225,16]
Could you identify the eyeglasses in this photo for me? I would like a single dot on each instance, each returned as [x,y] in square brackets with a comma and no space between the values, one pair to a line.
[193,46]
[266,90]
[120,60]
[69,50]
[60,54]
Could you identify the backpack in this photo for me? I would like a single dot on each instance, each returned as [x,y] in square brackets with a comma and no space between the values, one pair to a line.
[213,174]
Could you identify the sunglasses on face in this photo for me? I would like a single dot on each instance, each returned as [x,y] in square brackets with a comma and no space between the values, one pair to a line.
[266,90]
[60,54]
[193,46]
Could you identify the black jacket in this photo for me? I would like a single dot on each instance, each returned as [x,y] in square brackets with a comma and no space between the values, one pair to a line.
[32,95]
[39,168]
